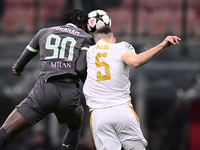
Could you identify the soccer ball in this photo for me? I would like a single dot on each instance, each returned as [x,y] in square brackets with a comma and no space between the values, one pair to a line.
[97,19]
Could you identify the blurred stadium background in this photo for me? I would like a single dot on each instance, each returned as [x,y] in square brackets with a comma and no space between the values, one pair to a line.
[165,92]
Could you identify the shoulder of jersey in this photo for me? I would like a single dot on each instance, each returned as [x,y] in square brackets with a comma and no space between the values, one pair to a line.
[123,42]
[43,29]
[128,47]
[91,47]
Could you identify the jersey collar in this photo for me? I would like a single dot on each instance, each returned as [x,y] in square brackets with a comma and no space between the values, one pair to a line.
[105,41]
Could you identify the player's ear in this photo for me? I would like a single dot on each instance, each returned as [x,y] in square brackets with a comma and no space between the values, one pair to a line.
[96,41]
[84,27]
[114,40]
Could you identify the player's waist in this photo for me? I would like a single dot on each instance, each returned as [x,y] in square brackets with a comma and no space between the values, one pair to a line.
[105,102]
[67,78]
[107,105]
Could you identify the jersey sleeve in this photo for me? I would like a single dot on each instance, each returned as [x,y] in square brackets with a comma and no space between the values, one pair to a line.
[89,41]
[25,57]
[81,64]
[29,52]
[34,43]
[127,49]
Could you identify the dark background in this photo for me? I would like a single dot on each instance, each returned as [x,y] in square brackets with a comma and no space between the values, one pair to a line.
[165,92]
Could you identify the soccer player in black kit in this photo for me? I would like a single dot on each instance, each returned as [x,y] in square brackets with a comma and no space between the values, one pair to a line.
[62,51]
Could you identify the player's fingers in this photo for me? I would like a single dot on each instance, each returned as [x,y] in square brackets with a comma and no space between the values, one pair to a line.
[171,40]
[14,72]
[176,39]
[17,74]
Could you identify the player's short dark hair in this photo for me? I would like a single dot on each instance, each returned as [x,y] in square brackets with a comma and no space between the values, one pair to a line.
[75,16]
[103,30]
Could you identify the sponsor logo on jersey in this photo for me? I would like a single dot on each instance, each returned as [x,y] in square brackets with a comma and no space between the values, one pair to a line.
[129,47]
[61,64]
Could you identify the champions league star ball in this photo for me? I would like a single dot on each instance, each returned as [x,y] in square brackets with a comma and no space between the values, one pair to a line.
[97,19]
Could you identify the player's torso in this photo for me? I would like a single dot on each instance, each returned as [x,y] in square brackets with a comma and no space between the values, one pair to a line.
[108,75]
[59,49]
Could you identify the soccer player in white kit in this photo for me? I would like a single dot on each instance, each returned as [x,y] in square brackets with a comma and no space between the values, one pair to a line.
[113,121]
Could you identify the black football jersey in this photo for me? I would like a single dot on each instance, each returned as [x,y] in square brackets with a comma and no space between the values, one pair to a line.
[59,47]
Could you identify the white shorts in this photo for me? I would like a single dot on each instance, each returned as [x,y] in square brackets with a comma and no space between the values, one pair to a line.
[116,127]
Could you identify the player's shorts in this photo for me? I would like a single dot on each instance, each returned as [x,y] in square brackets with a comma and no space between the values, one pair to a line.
[116,127]
[58,97]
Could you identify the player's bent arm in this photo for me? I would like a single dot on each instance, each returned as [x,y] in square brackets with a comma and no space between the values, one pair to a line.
[25,57]
[81,65]
[136,61]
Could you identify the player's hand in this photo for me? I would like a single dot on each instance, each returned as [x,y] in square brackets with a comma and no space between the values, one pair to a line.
[170,40]
[14,72]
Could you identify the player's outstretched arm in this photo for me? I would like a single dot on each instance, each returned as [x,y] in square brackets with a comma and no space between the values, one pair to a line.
[136,61]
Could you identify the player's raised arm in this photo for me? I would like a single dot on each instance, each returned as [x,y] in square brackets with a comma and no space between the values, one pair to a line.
[136,61]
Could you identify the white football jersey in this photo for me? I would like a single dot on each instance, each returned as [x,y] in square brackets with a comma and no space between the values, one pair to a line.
[107,83]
